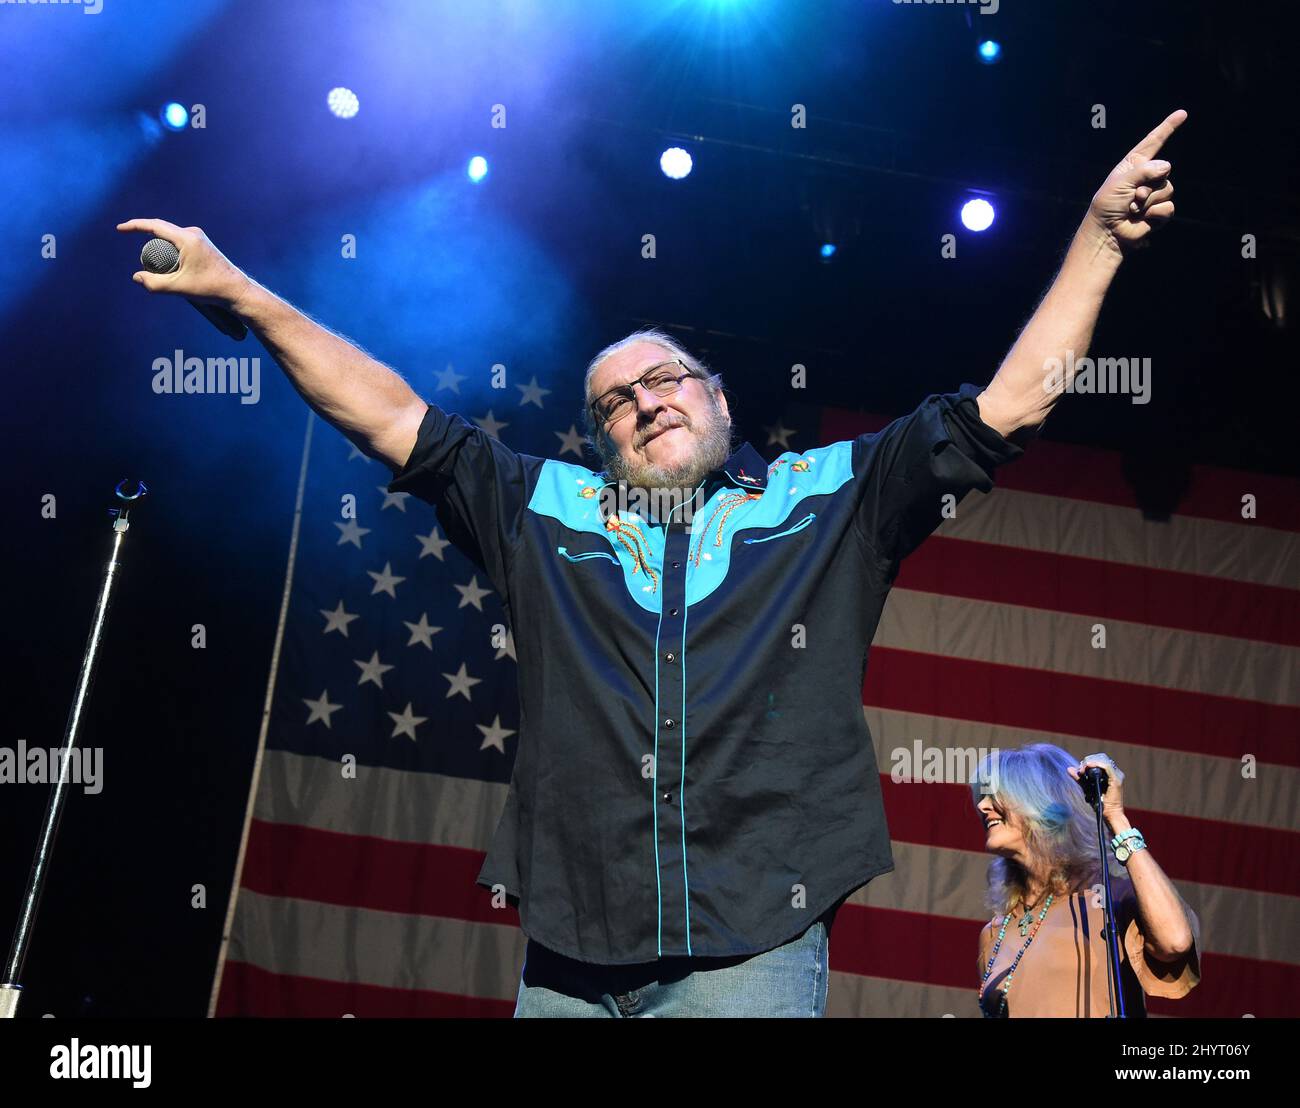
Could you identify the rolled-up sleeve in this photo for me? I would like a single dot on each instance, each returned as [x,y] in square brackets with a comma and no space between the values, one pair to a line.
[479,486]
[905,471]
[1170,980]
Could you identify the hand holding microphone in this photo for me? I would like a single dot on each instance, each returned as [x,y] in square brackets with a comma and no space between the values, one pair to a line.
[182,260]
[1099,776]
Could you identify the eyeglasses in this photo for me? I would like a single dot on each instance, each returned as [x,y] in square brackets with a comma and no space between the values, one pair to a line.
[659,379]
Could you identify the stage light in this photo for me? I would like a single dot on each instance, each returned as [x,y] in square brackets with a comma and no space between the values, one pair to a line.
[174,116]
[828,251]
[477,169]
[675,162]
[343,102]
[990,51]
[977,214]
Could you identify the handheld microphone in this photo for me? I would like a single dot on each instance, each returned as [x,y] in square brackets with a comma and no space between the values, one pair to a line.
[161,256]
[1093,781]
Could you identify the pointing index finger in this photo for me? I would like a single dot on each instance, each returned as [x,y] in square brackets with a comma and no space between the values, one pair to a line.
[159,227]
[1150,146]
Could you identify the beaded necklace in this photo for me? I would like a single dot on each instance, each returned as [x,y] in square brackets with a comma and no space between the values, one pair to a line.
[1006,984]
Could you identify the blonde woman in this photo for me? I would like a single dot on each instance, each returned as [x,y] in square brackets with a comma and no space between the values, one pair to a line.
[1044,951]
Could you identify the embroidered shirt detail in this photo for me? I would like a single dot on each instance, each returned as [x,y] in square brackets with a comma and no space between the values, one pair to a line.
[726,506]
[634,541]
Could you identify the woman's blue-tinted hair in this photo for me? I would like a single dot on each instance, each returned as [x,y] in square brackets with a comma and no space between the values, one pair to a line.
[1030,784]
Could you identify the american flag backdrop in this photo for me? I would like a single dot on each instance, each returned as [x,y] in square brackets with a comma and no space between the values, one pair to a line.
[394,718]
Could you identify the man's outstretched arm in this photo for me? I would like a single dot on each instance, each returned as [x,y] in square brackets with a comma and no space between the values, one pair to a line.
[1133,201]
[368,402]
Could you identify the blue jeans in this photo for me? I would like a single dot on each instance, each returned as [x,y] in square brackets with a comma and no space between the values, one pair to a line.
[787,981]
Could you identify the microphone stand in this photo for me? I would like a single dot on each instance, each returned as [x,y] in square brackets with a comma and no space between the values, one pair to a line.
[1094,781]
[10,988]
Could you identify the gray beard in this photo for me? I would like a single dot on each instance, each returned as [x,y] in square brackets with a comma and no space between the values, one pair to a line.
[712,449]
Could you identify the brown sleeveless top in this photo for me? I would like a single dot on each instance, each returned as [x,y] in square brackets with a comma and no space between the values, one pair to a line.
[1063,973]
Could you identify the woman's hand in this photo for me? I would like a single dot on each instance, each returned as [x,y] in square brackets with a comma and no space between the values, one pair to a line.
[1112,800]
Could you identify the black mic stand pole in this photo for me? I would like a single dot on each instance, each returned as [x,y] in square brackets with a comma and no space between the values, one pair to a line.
[1094,781]
[10,988]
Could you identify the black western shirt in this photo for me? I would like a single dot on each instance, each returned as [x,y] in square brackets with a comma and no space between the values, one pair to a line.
[694,775]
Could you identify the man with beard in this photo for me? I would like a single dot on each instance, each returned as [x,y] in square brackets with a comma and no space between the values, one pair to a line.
[695,791]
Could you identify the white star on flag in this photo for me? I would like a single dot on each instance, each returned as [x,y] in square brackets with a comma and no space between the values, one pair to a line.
[432,543]
[337,620]
[491,424]
[449,379]
[494,736]
[372,670]
[571,439]
[351,532]
[386,581]
[533,393]
[404,723]
[321,709]
[507,648]
[393,499]
[471,593]
[422,632]
[461,682]
[779,434]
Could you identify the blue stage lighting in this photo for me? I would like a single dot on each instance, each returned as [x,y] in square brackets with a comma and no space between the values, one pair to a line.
[990,51]
[149,127]
[828,251]
[478,168]
[174,116]
[675,162]
[977,214]
[343,102]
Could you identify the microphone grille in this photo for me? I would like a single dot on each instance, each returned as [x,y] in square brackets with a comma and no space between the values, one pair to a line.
[160,256]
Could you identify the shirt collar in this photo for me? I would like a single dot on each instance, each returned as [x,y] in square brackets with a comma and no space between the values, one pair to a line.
[746,468]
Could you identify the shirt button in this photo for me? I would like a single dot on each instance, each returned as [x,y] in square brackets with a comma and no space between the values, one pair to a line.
[677,565]
[670,657]
[668,797]
[668,723]
[672,611]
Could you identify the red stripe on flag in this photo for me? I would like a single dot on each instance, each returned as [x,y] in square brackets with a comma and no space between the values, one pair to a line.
[1211,852]
[1094,708]
[361,871]
[1110,590]
[940,950]
[247,990]
[1087,473]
